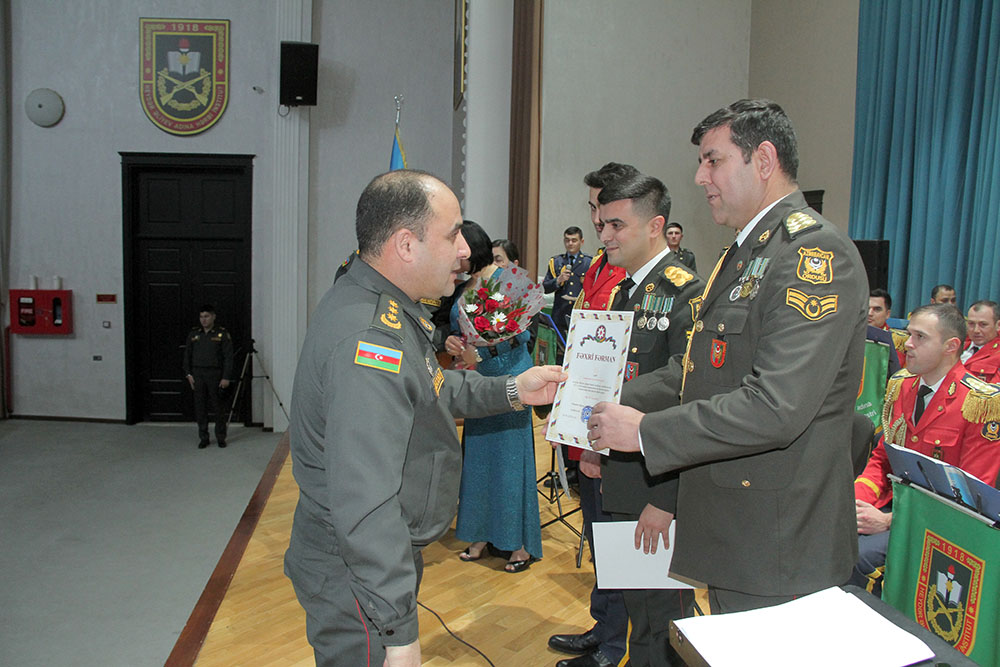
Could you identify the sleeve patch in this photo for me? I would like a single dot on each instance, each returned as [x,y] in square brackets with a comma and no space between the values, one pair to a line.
[815,266]
[813,308]
[376,356]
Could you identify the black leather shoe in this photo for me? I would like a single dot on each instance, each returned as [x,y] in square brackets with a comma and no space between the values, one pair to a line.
[203,444]
[574,644]
[222,443]
[595,659]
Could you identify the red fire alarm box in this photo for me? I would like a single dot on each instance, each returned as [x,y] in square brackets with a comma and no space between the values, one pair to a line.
[45,312]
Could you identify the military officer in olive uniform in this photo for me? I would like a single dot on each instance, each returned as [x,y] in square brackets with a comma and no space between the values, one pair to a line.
[208,367]
[662,293]
[373,442]
[675,234]
[762,437]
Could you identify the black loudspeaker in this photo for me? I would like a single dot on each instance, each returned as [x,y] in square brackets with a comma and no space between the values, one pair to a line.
[875,255]
[299,68]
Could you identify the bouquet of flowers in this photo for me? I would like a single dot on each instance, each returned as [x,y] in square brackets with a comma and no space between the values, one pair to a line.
[499,308]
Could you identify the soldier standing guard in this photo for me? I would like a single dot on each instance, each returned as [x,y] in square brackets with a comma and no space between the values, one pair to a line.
[208,366]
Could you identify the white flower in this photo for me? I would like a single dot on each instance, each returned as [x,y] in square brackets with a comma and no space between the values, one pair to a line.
[470,307]
[496,296]
[499,317]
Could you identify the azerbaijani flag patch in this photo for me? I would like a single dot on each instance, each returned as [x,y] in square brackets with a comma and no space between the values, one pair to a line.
[376,356]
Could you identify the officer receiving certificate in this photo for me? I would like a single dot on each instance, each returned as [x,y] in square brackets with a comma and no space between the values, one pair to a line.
[596,351]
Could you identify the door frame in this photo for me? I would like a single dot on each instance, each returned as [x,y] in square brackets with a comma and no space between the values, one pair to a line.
[132,165]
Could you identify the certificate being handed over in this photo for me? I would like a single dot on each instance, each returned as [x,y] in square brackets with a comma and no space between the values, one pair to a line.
[596,350]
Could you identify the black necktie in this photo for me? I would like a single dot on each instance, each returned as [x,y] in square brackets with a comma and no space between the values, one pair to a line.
[622,296]
[918,409]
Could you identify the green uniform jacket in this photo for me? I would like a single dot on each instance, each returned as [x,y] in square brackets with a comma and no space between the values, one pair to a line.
[763,434]
[626,485]
[373,442]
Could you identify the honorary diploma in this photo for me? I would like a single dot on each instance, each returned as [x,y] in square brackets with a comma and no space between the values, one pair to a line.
[596,350]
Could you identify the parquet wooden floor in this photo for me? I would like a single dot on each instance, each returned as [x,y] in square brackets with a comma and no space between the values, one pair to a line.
[507,616]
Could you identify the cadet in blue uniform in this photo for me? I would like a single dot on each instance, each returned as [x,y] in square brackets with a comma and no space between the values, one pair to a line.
[373,442]
[565,277]
[208,367]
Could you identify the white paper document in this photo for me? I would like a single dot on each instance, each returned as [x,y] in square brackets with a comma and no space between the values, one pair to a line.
[831,627]
[621,565]
[596,352]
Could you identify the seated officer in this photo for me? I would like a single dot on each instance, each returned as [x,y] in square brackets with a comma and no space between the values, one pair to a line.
[982,355]
[943,293]
[933,407]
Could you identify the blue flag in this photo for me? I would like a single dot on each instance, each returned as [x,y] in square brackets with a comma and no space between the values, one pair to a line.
[398,158]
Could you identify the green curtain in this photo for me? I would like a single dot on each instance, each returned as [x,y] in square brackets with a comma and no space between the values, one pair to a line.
[926,170]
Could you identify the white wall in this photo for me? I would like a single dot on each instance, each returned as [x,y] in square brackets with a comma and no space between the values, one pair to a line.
[66,180]
[804,55]
[369,52]
[66,213]
[487,152]
[627,81]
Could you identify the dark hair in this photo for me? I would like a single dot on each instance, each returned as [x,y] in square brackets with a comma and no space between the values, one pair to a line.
[648,194]
[938,288]
[509,248]
[673,224]
[393,200]
[879,293]
[571,231]
[951,321]
[610,172]
[986,303]
[480,249]
[751,123]
[207,308]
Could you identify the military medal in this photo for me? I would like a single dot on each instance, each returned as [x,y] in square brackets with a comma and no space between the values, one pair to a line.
[641,322]
[735,294]
[664,322]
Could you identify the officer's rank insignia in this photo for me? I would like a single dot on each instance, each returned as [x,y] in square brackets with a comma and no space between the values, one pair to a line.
[695,304]
[376,356]
[815,266]
[798,221]
[426,325]
[718,352]
[184,73]
[678,276]
[949,587]
[812,307]
[390,317]
[438,382]
[650,287]
[431,303]
[951,388]
[991,431]
[631,370]
[765,235]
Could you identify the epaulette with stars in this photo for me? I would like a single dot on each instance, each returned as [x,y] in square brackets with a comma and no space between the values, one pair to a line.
[387,316]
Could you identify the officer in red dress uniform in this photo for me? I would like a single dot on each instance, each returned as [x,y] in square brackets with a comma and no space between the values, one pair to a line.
[933,407]
[982,354]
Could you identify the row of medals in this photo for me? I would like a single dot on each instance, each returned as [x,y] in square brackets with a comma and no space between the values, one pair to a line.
[654,312]
[749,284]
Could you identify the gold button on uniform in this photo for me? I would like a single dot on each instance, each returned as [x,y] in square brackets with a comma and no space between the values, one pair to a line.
[915,438]
[722,327]
[746,483]
[634,350]
[699,325]
[690,366]
[940,408]
[937,442]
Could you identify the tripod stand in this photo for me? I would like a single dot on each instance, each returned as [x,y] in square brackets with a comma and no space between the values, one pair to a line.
[248,366]
[555,494]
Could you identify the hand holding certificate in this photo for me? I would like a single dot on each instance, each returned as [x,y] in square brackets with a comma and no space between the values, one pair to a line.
[596,350]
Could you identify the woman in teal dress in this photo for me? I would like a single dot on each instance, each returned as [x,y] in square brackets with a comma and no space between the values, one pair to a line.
[498,501]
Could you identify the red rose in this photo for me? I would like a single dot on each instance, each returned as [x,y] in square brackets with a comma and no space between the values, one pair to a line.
[513,326]
[491,305]
[482,293]
[481,324]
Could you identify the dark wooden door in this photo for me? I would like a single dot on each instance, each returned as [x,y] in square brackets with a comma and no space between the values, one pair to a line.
[187,243]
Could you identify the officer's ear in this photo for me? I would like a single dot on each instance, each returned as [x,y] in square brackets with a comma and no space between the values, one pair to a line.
[403,244]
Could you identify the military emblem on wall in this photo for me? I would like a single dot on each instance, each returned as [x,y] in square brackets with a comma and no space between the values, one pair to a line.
[184,73]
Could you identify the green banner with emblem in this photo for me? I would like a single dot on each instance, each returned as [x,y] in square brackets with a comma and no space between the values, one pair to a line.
[942,571]
[871,394]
